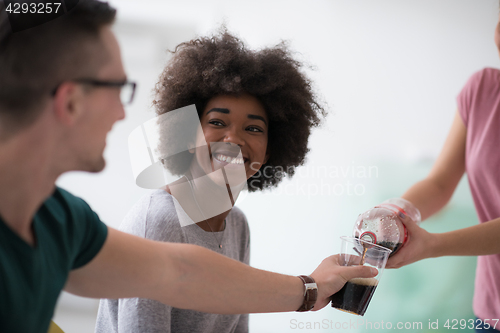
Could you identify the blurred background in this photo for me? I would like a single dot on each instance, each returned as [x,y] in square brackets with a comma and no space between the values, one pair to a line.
[389,71]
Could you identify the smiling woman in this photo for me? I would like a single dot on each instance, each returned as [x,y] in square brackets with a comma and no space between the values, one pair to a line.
[222,65]
[255,110]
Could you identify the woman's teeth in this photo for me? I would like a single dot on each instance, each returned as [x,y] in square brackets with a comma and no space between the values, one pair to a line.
[228,159]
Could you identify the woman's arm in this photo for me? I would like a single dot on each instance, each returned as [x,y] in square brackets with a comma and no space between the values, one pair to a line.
[432,193]
[477,240]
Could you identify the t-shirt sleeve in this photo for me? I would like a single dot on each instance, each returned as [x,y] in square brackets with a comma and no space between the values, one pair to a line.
[85,232]
[466,96]
[92,238]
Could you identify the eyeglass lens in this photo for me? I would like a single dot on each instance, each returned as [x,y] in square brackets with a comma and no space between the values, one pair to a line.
[127,93]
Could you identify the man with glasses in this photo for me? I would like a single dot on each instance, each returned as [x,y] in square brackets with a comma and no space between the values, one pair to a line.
[62,87]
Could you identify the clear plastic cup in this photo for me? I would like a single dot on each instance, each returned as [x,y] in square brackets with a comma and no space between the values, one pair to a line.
[356,294]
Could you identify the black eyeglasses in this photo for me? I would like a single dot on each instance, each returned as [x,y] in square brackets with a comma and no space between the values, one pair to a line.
[127,88]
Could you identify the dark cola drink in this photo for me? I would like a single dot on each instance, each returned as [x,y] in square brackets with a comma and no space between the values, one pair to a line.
[355,296]
[391,246]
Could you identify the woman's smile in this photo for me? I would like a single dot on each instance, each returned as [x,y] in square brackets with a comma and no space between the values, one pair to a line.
[228,159]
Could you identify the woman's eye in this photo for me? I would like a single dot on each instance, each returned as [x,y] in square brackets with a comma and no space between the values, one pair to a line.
[216,123]
[254,129]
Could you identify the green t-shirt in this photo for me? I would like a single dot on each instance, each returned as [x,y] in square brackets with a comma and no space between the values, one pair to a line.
[68,235]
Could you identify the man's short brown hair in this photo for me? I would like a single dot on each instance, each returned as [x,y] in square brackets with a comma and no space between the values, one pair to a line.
[34,61]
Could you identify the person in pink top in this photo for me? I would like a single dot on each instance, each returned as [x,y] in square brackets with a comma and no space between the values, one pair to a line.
[472,146]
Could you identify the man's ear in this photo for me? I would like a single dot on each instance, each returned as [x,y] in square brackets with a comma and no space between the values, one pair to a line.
[68,103]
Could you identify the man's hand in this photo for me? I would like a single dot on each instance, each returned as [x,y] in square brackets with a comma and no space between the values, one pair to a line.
[330,277]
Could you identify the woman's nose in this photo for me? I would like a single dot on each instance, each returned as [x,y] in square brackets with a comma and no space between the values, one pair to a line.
[234,136]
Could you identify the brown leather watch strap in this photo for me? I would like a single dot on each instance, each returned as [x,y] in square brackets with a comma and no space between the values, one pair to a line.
[310,293]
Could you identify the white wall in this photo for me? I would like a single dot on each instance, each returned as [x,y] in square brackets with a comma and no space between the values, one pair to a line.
[389,70]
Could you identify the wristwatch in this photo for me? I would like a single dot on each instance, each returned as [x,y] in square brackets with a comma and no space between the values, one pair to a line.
[310,293]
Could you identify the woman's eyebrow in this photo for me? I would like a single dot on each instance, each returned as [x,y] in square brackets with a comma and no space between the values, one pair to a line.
[254,116]
[226,111]
[221,110]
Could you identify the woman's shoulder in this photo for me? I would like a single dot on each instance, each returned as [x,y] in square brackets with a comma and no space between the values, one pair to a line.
[157,204]
[238,218]
[490,71]
[487,74]
[238,214]
[154,217]
[479,94]
[485,83]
